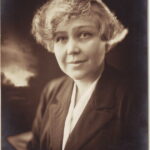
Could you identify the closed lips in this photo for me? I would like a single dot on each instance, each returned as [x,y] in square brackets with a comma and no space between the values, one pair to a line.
[77,61]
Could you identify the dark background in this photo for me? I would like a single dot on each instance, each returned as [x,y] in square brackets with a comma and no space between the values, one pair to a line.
[19,103]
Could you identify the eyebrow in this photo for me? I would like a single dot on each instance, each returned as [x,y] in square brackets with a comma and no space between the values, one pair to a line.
[75,28]
[88,28]
[58,33]
[84,26]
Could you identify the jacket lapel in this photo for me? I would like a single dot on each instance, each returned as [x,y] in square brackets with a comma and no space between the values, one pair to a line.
[60,112]
[98,112]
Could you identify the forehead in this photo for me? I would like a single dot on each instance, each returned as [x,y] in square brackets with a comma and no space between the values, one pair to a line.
[77,23]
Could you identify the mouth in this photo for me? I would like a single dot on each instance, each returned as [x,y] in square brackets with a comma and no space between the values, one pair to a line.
[77,62]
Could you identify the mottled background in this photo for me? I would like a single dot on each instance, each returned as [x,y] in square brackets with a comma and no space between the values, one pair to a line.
[27,66]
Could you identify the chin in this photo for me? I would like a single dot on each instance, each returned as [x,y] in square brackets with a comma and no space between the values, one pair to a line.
[77,75]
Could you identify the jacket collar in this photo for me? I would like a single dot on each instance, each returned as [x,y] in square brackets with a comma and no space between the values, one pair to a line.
[62,103]
[101,100]
[105,90]
[99,111]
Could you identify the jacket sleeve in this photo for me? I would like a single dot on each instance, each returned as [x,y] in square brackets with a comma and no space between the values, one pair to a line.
[47,97]
[134,123]
[35,143]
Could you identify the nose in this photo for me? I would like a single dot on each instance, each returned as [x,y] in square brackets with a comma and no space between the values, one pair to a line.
[72,47]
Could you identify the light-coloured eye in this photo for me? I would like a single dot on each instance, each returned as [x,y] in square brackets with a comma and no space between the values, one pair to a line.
[85,35]
[60,39]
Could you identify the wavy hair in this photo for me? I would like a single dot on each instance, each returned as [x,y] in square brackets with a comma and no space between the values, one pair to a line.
[54,12]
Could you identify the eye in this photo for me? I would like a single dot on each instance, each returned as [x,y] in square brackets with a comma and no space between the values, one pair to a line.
[85,35]
[60,39]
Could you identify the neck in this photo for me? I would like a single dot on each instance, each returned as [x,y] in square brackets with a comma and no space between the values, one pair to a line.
[83,85]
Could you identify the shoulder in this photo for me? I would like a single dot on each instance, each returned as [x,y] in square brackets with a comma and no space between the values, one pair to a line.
[124,93]
[120,86]
[51,90]
[115,73]
[117,78]
[54,86]
[57,82]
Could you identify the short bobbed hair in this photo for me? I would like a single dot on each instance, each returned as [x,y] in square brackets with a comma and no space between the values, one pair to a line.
[54,12]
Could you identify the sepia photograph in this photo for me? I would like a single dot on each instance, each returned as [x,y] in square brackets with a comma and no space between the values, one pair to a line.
[74,75]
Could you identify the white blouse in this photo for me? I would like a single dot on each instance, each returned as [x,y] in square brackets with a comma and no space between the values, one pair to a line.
[75,111]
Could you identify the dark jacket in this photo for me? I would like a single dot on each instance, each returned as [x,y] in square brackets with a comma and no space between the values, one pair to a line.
[107,123]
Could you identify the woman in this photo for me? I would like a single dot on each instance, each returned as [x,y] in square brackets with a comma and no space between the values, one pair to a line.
[91,107]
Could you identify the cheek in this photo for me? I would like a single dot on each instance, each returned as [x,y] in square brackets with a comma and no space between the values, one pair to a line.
[60,56]
[96,51]
[101,52]
[100,55]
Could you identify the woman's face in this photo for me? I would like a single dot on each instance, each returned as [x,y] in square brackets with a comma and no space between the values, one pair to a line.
[78,48]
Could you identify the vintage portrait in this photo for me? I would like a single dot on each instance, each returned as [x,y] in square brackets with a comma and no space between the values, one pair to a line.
[74,75]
